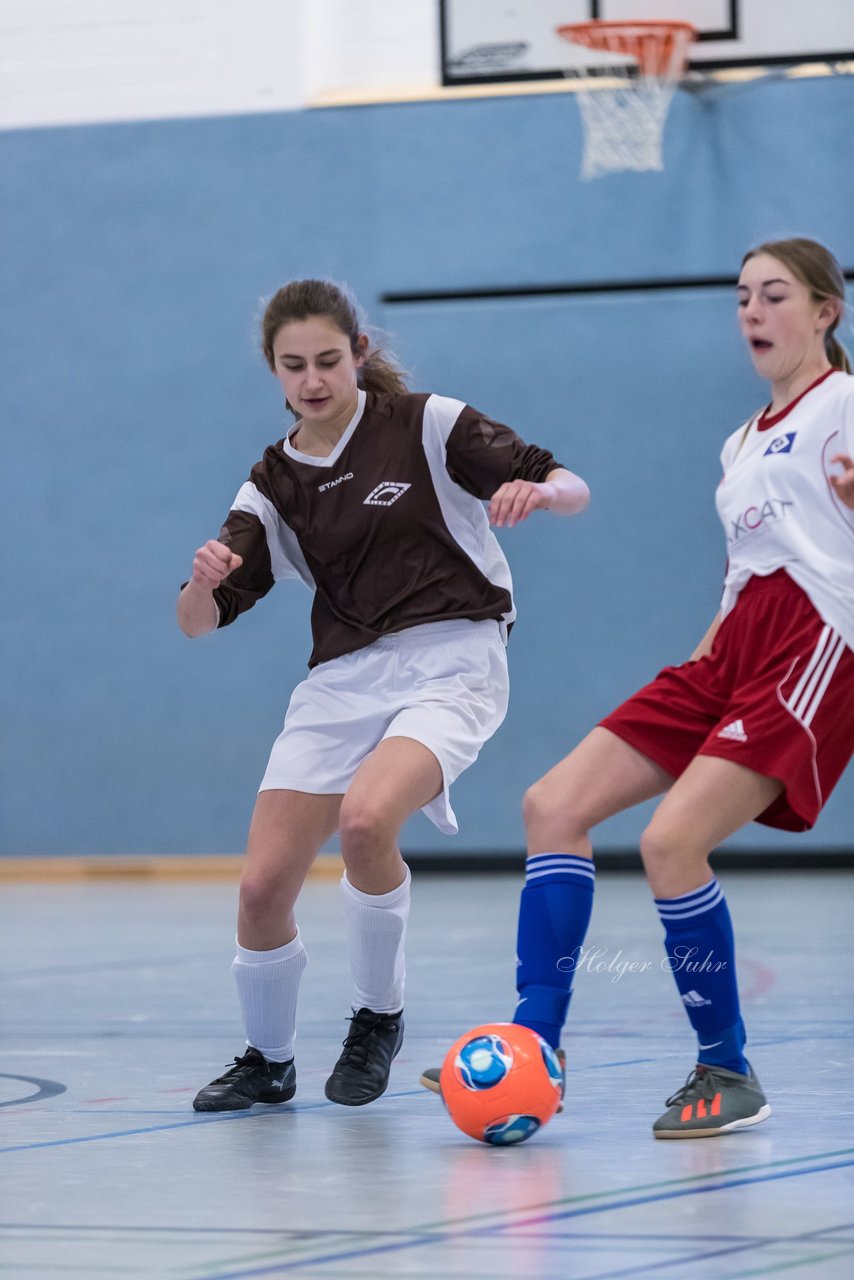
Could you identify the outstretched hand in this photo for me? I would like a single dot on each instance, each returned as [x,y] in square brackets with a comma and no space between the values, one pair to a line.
[843,485]
[213,563]
[516,499]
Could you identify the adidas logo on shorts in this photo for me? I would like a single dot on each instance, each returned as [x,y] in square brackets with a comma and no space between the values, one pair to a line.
[734,732]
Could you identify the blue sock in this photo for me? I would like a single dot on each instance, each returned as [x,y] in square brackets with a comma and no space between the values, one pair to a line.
[554,913]
[700,950]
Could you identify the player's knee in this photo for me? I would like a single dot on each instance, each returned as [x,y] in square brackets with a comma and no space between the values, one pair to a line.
[363,829]
[661,847]
[545,809]
[262,898]
[672,861]
[537,803]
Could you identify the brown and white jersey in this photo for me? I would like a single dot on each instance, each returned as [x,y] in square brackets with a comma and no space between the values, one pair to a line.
[389,530]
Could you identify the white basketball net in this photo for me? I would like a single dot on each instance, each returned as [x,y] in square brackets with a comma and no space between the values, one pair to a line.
[626,92]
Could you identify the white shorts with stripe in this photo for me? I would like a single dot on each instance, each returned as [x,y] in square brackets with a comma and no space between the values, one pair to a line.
[445,684]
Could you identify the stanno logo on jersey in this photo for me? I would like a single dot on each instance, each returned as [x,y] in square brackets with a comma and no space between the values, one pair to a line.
[781,444]
[734,732]
[386,493]
[754,517]
[330,484]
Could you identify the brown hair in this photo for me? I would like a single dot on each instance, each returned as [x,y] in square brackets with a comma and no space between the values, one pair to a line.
[302,299]
[817,268]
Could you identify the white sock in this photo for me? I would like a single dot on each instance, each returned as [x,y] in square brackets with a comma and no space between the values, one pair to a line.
[267,987]
[376,931]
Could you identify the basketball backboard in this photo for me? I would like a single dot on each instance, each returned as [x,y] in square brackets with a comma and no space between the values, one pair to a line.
[484,42]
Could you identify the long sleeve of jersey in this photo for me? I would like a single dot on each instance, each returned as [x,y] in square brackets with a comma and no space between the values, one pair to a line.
[243,533]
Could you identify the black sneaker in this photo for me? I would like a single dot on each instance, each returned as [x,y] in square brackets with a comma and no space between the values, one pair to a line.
[251,1079]
[361,1073]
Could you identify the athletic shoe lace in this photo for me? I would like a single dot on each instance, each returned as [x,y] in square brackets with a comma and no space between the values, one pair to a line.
[701,1083]
[242,1067]
[357,1044]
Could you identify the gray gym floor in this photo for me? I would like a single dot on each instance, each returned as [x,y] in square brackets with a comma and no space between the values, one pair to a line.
[117,1004]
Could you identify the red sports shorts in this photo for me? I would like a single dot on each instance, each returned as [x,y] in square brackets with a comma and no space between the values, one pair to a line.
[775,694]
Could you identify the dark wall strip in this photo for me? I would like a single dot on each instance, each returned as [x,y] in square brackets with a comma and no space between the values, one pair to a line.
[629,860]
[399,298]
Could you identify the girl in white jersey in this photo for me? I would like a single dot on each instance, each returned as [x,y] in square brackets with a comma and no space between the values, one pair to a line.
[374,500]
[757,725]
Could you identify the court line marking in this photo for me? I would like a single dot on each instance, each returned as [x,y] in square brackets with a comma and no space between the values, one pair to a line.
[442,1233]
[603,1238]
[738,1243]
[44,1089]
[232,1116]
[796,1262]
[690,1259]
[129,1230]
[663,1183]
[724,1184]
[418,1240]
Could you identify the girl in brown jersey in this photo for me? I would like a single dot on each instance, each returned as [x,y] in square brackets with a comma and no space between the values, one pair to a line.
[375,501]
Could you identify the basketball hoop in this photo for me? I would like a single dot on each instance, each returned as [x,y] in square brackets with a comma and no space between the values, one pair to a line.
[624,96]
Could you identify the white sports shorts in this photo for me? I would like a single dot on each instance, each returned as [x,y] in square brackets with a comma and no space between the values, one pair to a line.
[445,684]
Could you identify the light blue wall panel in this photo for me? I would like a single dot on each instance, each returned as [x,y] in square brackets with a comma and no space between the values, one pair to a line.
[133,400]
[606,599]
[486,192]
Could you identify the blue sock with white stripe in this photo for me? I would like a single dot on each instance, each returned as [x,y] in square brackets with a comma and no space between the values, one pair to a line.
[554,913]
[700,949]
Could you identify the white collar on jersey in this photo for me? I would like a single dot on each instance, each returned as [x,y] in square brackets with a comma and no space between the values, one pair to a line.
[331,458]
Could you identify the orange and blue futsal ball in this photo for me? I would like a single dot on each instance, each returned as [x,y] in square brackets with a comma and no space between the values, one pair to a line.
[501,1083]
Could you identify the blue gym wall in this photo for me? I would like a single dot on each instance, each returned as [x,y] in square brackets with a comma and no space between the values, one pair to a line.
[134,401]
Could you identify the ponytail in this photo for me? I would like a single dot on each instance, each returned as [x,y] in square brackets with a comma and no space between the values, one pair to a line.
[380,374]
[836,353]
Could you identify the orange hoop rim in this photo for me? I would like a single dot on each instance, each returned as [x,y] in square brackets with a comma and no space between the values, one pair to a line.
[638,38]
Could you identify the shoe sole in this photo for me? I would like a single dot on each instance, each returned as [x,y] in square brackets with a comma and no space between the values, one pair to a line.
[355,1102]
[762,1114]
[284,1096]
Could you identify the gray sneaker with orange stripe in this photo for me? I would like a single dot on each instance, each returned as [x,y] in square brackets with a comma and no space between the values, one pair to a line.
[712,1101]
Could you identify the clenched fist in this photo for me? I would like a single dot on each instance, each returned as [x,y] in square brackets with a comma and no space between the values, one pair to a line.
[213,563]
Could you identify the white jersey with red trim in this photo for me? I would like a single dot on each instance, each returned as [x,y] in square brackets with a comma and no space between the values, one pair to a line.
[778,508]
